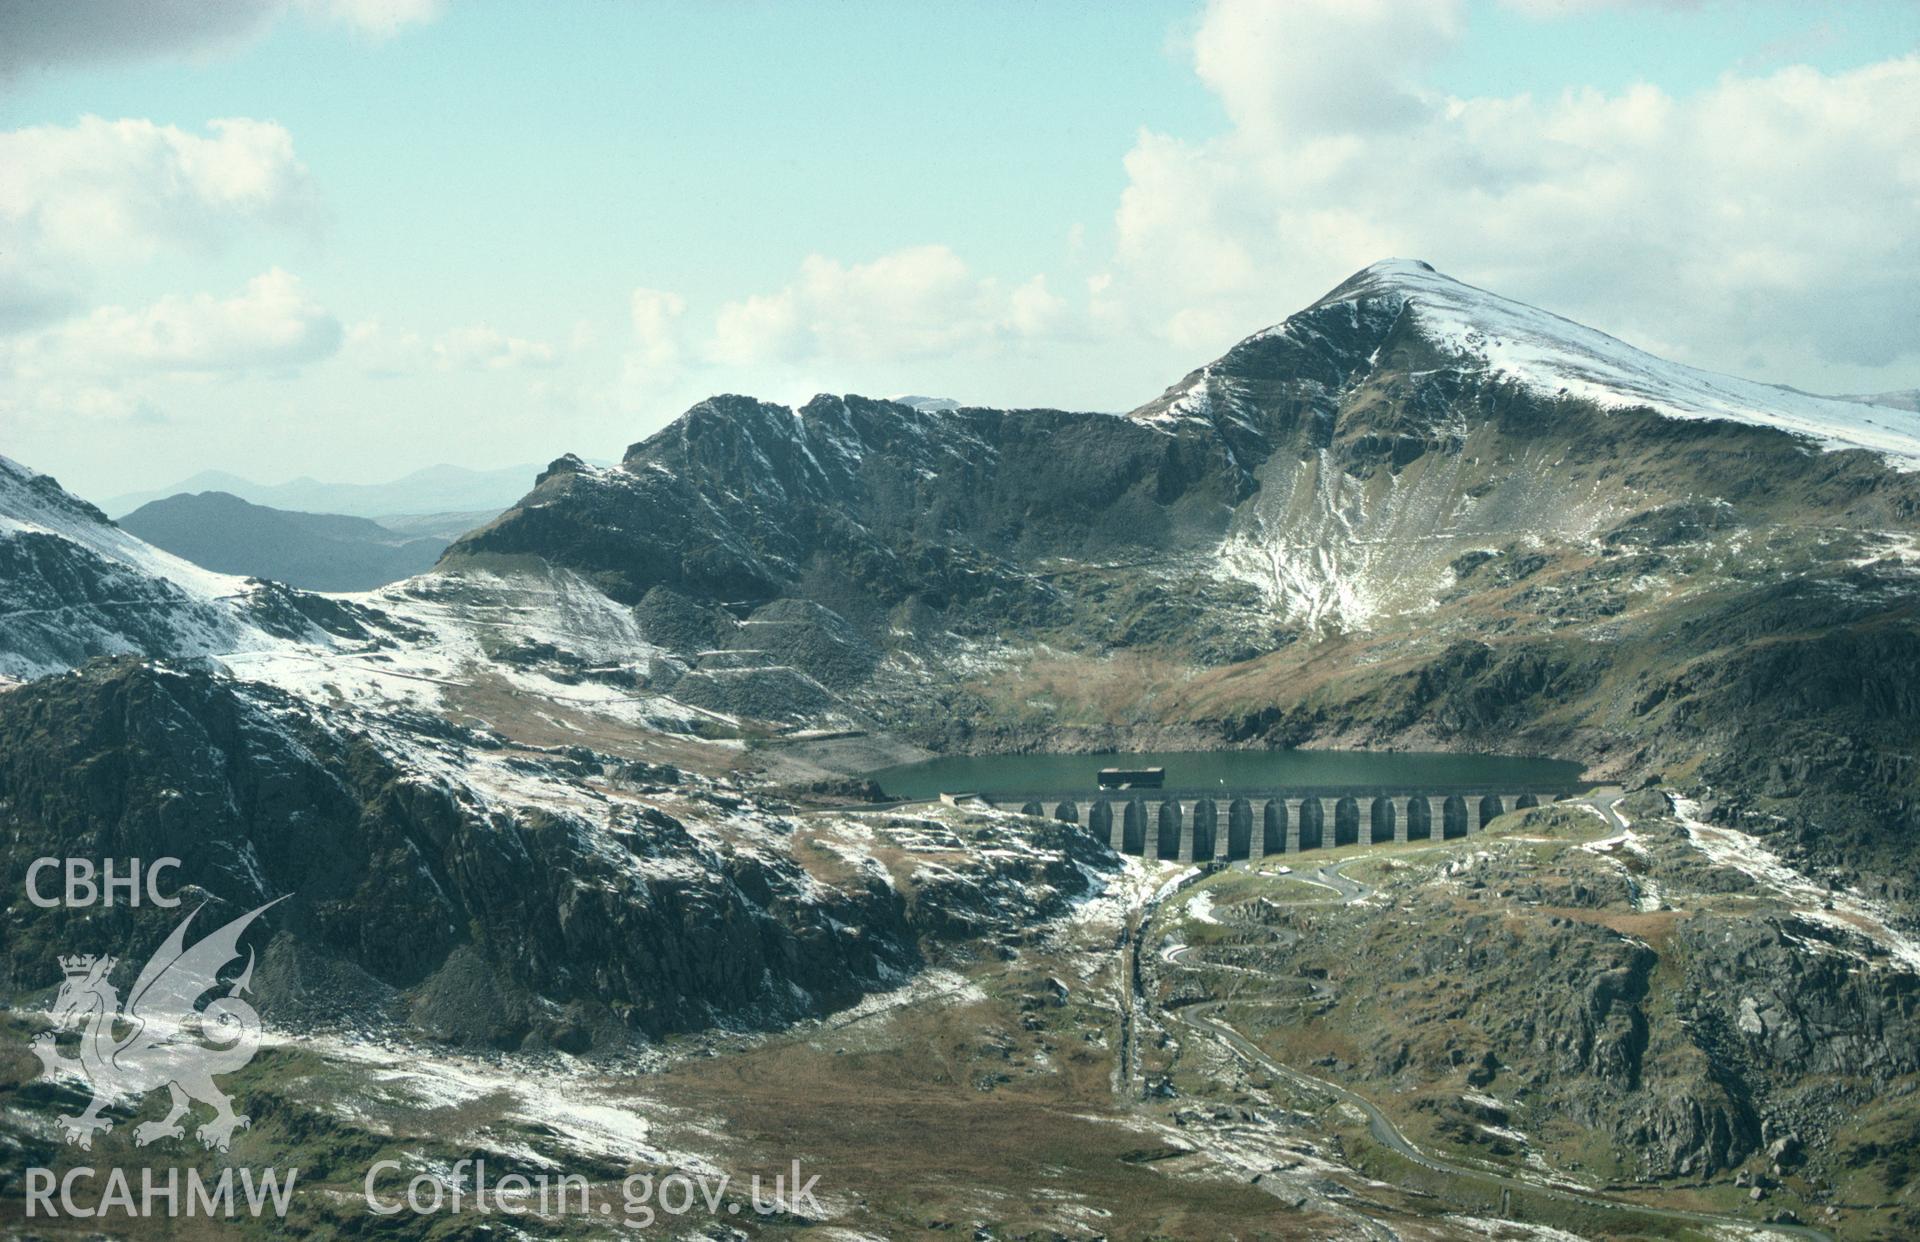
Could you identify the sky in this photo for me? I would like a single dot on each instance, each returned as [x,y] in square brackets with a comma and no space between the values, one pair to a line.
[350,238]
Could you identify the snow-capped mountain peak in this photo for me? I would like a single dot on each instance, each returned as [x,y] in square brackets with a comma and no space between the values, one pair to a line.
[1556,356]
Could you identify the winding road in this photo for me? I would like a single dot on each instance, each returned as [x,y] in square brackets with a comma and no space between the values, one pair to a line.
[1379,1125]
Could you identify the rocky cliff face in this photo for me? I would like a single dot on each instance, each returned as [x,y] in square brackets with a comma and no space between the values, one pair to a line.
[475,891]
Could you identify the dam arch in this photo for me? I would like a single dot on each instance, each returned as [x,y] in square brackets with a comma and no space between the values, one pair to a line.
[1346,821]
[1206,824]
[1419,819]
[1167,840]
[1133,829]
[1380,821]
[1100,823]
[1239,829]
[1313,824]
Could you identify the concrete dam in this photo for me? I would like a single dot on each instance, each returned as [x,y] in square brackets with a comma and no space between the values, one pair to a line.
[1207,825]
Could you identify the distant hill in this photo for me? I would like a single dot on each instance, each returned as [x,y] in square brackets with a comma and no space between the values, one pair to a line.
[433,490]
[317,551]
[445,526]
[1908,400]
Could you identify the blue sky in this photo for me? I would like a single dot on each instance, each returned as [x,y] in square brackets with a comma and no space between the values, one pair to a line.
[494,232]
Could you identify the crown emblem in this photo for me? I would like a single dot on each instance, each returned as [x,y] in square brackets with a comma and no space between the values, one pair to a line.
[78,965]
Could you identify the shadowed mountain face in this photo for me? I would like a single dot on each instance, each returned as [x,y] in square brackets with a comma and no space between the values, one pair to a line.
[315,551]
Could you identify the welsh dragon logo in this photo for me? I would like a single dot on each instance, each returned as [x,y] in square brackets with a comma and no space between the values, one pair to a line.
[167,1041]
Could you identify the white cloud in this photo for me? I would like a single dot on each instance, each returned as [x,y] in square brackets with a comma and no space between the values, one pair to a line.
[1762,224]
[653,361]
[1034,310]
[37,35]
[380,352]
[656,328]
[269,324]
[78,199]
[481,348]
[910,303]
[1269,62]
[376,19]
[106,190]
[758,327]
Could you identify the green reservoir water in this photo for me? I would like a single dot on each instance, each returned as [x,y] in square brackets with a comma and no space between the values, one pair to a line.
[1231,769]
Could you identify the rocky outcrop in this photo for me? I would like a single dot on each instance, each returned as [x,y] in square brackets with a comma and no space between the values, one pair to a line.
[570,911]
[1561,991]
[1789,999]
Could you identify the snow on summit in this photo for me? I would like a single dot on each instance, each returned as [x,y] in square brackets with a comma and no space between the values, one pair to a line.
[1554,355]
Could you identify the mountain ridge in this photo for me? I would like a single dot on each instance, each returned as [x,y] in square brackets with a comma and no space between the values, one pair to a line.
[1344,531]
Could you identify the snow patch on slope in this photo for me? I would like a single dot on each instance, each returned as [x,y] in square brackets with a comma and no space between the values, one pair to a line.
[926,405]
[1330,552]
[30,502]
[1844,910]
[456,625]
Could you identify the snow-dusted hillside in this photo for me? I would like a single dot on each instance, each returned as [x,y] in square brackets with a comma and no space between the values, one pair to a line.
[31,502]
[1552,356]
[73,585]
[442,642]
